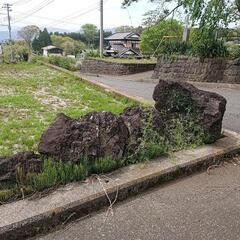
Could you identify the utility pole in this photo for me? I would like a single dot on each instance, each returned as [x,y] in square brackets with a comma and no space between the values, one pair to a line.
[8,7]
[101,28]
[186,30]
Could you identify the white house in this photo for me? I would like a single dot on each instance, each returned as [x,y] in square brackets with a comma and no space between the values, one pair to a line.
[52,50]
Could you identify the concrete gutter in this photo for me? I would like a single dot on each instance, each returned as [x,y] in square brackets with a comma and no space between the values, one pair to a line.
[26,218]
[102,86]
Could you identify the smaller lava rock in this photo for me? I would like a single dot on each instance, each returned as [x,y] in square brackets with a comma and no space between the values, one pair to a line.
[95,135]
[29,162]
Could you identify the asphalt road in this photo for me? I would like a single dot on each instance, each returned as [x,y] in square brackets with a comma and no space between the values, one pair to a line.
[135,86]
[199,207]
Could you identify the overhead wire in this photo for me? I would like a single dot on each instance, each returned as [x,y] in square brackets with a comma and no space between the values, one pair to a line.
[36,9]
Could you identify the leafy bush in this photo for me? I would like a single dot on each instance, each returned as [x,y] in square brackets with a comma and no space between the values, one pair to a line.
[163,30]
[210,49]
[64,62]
[234,50]
[205,45]
[92,53]
[175,47]
[17,51]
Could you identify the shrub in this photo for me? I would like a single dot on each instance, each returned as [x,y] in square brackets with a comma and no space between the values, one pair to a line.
[90,53]
[15,52]
[64,62]
[210,49]
[234,50]
[153,36]
[175,47]
[205,45]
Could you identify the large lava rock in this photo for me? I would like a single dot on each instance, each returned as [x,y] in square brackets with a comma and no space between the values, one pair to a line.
[95,135]
[174,99]
[28,161]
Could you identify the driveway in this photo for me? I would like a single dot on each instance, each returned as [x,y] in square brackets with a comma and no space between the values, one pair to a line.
[142,85]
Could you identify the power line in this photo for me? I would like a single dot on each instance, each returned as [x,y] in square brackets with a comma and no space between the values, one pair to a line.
[21,2]
[78,14]
[36,9]
[51,19]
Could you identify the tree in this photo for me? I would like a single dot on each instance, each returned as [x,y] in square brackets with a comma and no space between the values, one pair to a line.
[41,41]
[90,32]
[165,30]
[126,28]
[28,33]
[210,16]
[69,45]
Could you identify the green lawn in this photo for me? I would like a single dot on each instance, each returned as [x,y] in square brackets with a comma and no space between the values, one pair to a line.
[30,97]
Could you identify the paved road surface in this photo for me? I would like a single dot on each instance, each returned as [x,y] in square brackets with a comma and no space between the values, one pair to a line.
[134,85]
[200,207]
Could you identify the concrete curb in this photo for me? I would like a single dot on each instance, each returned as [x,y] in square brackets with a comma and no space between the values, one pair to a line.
[102,86]
[216,85]
[26,218]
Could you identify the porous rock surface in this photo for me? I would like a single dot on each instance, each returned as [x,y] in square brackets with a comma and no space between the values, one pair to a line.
[28,161]
[135,119]
[210,107]
[95,135]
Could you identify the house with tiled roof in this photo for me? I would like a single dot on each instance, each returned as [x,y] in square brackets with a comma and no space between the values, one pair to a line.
[123,45]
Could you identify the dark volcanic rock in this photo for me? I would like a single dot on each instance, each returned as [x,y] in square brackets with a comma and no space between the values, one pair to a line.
[28,161]
[175,98]
[135,119]
[132,118]
[95,135]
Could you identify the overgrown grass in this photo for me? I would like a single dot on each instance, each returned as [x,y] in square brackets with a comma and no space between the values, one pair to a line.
[54,173]
[30,97]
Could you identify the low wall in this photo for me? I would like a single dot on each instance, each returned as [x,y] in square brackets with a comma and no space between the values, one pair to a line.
[114,68]
[192,69]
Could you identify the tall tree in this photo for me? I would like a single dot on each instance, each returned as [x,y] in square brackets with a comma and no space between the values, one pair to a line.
[41,41]
[28,33]
[90,32]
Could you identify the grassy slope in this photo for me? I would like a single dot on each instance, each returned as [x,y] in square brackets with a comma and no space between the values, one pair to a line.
[30,97]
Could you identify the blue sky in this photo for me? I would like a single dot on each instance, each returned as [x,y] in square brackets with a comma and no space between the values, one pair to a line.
[71,14]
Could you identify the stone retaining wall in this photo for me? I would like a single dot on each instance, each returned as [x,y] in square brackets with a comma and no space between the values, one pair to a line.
[114,68]
[183,68]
